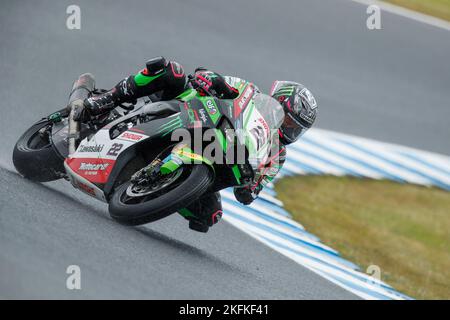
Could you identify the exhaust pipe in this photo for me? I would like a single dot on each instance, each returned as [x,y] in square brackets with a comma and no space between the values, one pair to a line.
[81,90]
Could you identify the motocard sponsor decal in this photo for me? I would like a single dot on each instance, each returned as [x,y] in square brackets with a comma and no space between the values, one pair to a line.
[93,170]
[93,166]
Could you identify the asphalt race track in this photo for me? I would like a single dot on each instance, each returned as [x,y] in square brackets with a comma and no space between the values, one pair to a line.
[389,85]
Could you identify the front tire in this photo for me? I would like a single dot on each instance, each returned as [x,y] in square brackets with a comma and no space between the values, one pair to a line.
[188,190]
[35,158]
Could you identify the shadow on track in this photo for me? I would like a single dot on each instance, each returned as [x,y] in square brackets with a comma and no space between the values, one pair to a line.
[150,234]
[187,249]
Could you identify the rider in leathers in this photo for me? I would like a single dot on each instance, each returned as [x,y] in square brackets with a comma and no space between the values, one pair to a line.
[165,80]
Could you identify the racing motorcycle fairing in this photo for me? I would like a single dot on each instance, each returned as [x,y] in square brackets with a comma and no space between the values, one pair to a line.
[100,158]
[110,156]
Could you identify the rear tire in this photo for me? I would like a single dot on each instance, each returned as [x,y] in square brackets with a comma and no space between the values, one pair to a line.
[189,190]
[36,159]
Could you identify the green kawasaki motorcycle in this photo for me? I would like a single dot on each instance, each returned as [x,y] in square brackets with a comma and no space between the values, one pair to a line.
[132,158]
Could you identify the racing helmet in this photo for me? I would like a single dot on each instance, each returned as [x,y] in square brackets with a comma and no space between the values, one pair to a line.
[300,108]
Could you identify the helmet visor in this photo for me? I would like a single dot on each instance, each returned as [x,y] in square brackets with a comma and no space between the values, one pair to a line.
[292,129]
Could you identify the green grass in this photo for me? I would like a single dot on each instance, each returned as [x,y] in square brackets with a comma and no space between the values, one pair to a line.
[437,8]
[403,229]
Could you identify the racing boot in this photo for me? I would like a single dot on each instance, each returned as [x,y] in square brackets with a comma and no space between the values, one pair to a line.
[106,101]
[201,223]
[204,213]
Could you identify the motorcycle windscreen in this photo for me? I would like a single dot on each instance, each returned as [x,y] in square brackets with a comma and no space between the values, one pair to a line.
[261,121]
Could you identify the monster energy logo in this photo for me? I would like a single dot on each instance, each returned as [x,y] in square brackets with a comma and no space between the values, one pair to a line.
[191,115]
[170,126]
[285,91]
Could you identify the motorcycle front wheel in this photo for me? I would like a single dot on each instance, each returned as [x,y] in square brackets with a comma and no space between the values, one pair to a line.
[135,205]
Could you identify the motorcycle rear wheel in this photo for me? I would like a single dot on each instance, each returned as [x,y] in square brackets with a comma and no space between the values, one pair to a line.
[34,156]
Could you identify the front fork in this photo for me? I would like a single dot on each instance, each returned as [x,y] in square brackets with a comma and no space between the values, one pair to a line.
[182,154]
[179,155]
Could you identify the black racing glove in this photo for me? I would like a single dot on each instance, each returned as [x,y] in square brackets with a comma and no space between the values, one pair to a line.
[81,114]
[244,195]
[96,105]
[209,83]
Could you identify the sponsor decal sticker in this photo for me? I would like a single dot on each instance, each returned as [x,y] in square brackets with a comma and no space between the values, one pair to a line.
[245,96]
[243,100]
[202,115]
[94,170]
[131,136]
[91,149]
[93,166]
[211,108]
[265,125]
[86,188]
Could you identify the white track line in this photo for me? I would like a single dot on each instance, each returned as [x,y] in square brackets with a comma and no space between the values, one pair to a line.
[316,267]
[259,207]
[378,163]
[350,166]
[283,230]
[314,163]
